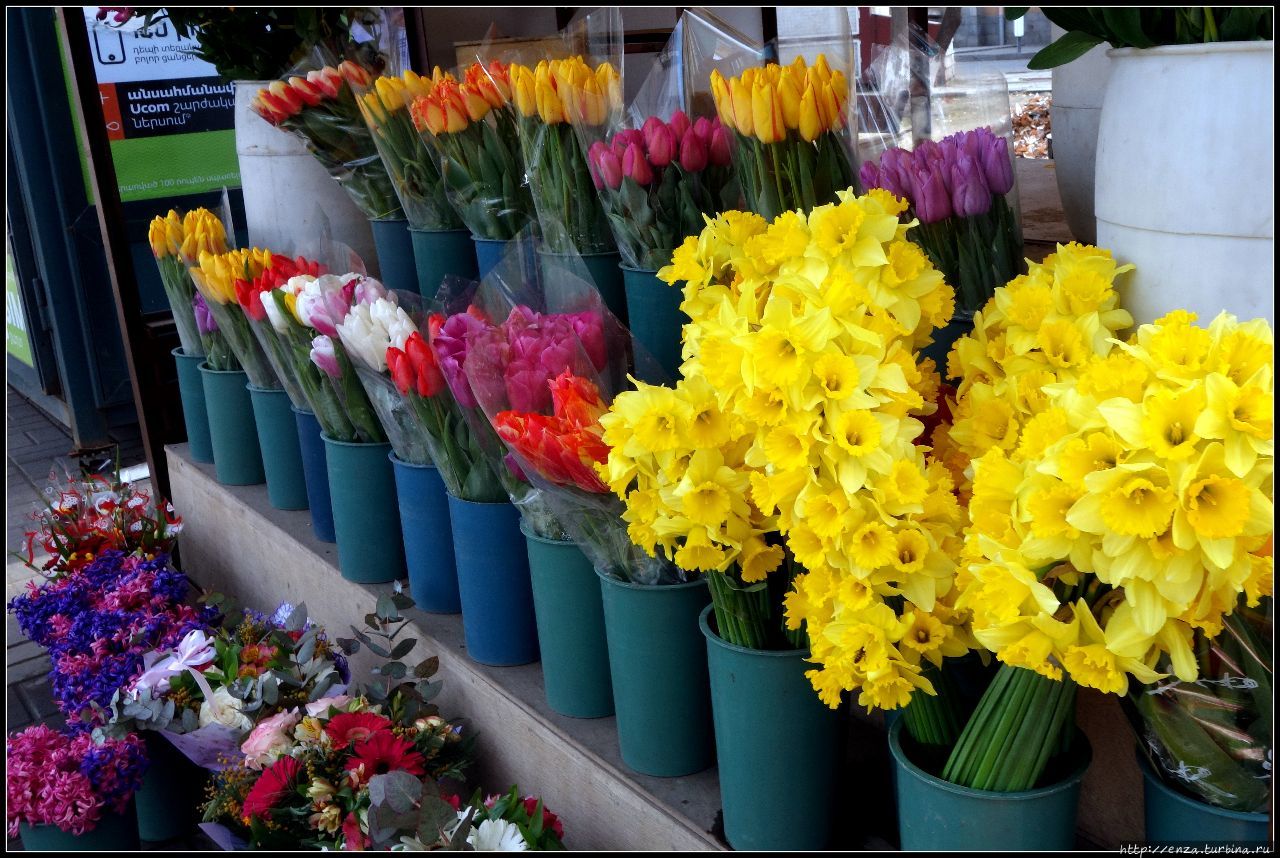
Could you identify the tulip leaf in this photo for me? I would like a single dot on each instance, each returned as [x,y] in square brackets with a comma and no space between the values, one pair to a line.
[1125,22]
[1071,46]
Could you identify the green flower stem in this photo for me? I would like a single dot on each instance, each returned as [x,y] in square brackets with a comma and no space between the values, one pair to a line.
[933,719]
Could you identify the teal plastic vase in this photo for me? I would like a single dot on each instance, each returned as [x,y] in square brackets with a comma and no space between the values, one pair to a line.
[570,615]
[752,687]
[428,539]
[936,815]
[437,253]
[1172,817]
[657,660]
[655,319]
[281,452]
[366,515]
[168,803]
[490,254]
[115,832]
[395,253]
[237,459]
[194,414]
[601,267]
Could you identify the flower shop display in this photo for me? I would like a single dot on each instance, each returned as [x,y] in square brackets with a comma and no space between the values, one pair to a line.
[441,246]
[790,135]
[472,127]
[361,482]
[956,189]
[67,792]
[93,514]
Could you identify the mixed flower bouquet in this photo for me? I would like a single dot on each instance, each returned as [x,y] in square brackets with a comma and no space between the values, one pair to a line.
[99,623]
[957,189]
[321,109]
[791,436]
[790,135]
[230,679]
[565,106]
[95,514]
[499,823]
[67,780]
[216,278]
[177,242]
[413,165]
[659,182]
[471,127]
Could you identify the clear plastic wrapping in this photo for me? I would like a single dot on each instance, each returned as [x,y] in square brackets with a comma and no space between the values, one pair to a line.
[216,277]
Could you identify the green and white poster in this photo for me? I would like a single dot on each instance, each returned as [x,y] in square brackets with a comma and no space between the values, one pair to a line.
[17,339]
[170,118]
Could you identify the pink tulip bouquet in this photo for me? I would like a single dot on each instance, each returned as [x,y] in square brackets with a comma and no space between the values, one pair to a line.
[658,182]
[958,190]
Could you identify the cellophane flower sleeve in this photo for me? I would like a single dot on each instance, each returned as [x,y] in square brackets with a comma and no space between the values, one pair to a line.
[317,102]
[216,277]
[1211,738]
[542,378]
[471,126]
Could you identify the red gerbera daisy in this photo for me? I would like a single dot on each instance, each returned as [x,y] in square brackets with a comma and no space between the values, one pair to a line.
[347,727]
[277,781]
[386,752]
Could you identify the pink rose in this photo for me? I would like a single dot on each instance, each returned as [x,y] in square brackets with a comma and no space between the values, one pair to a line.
[322,706]
[270,739]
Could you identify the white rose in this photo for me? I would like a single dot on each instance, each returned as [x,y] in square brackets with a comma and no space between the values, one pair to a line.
[224,709]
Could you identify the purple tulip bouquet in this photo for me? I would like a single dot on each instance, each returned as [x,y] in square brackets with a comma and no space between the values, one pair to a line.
[957,189]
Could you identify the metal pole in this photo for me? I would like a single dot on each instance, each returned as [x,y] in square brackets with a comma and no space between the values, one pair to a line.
[143,372]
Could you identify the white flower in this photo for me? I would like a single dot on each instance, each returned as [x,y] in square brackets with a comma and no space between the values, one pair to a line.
[365,336]
[222,708]
[497,835]
[398,323]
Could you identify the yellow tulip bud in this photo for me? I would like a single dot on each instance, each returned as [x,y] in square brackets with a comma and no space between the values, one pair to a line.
[156,235]
[766,114]
[810,123]
[371,107]
[549,106]
[741,97]
[798,66]
[391,92]
[415,85]
[789,99]
[610,86]
[523,90]
[720,95]
[828,106]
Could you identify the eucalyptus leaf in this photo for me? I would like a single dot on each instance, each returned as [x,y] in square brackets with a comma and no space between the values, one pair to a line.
[399,790]
[404,648]
[297,619]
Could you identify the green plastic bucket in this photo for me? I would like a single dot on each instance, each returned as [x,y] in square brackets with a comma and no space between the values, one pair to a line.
[570,616]
[939,816]
[655,319]
[795,759]
[281,452]
[395,253]
[237,459]
[168,804]
[115,832]
[1172,817]
[658,663]
[437,253]
[366,514]
[194,414]
[603,270]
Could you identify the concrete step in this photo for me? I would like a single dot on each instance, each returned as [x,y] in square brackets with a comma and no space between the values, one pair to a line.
[235,543]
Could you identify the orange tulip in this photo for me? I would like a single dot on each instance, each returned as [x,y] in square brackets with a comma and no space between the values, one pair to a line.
[428,114]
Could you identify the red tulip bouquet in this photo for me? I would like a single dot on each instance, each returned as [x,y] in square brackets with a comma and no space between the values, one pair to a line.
[254,297]
[657,183]
[321,109]
[958,190]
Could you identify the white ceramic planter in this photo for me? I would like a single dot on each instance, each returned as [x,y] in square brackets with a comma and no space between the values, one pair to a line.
[1078,89]
[286,189]
[1184,178]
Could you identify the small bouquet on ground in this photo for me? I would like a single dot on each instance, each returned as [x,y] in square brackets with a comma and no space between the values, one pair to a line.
[471,128]
[658,183]
[216,278]
[177,242]
[211,688]
[321,109]
[782,464]
[100,622]
[69,781]
[791,141]
[369,333]
[564,107]
[254,297]
[320,304]
[413,165]
[956,189]
[498,823]
[95,514]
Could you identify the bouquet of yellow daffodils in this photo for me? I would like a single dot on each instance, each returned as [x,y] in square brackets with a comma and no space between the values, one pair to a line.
[790,134]
[215,277]
[787,447]
[564,106]
[177,242]
[1133,515]
[413,165]
[471,128]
